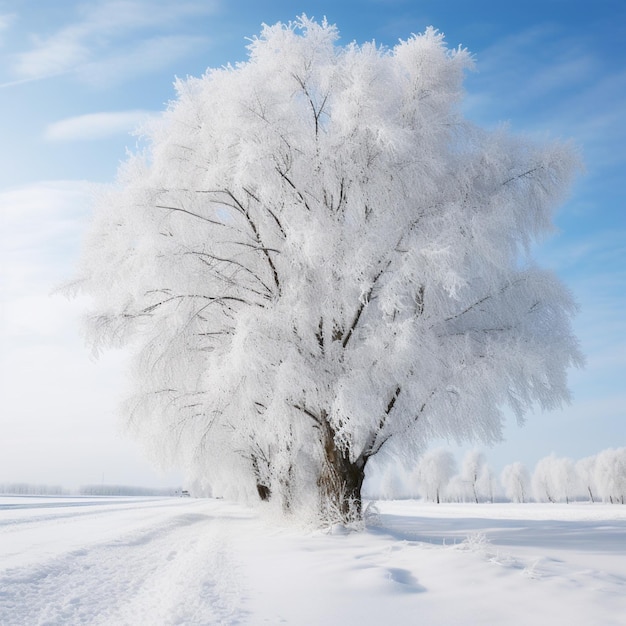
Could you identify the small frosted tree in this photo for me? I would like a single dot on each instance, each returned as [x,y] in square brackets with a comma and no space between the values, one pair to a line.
[515,480]
[433,473]
[317,258]
[565,479]
[474,475]
[542,480]
[554,479]
[585,468]
[610,475]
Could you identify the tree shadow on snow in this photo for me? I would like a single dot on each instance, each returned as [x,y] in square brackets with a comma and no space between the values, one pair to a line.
[597,535]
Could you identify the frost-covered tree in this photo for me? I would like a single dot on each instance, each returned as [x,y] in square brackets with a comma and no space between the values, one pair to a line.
[489,485]
[565,479]
[388,481]
[585,468]
[317,257]
[515,480]
[543,480]
[474,476]
[433,472]
[610,475]
[554,479]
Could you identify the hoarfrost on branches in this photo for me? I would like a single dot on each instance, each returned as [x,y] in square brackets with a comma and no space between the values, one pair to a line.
[317,258]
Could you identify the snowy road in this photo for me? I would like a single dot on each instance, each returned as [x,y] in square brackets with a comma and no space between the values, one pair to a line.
[153,562]
[118,562]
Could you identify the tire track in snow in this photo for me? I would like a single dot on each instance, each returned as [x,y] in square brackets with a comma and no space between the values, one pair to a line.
[26,539]
[179,570]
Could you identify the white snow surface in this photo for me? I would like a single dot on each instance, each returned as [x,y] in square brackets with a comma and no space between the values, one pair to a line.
[135,561]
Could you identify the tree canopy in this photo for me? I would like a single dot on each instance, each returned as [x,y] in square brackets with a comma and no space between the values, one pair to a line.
[317,258]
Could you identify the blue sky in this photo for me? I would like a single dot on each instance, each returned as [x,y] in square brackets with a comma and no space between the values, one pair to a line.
[76,77]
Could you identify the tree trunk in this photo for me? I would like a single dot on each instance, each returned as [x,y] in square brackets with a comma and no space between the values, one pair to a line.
[263,489]
[590,494]
[340,480]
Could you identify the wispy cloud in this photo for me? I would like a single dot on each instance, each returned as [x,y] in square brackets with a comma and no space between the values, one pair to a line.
[587,254]
[112,33]
[96,125]
[550,82]
[146,56]
[5,21]
[58,54]
[131,15]
[523,71]
[41,226]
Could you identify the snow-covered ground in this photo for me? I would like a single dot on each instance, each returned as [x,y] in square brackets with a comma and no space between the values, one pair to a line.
[136,561]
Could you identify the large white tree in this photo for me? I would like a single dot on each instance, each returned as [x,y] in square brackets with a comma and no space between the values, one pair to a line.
[317,257]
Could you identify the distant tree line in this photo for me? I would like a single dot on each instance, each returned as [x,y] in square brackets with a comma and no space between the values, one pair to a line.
[437,478]
[125,490]
[30,489]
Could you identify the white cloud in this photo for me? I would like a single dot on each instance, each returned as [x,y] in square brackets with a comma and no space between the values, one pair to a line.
[96,125]
[5,21]
[39,237]
[146,56]
[112,15]
[59,54]
[109,32]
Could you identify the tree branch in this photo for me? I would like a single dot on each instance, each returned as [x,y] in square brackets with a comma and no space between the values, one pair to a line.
[292,185]
[272,214]
[523,175]
[192,214]
[364,302]
[484,299]
[220,300]
[316,418]
[237,264]
[373,447]
[257,236]
[316,112]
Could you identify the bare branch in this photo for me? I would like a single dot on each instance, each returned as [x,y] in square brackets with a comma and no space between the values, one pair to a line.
[373,446]
[230,261]
[257,236]
[219,300]
[523,175]
[316,418]
[192,214]
[484,299]
[364,301]
[317,112]
[292,185]
[272,214]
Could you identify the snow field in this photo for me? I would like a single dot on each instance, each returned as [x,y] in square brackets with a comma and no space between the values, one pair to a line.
[133,561]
